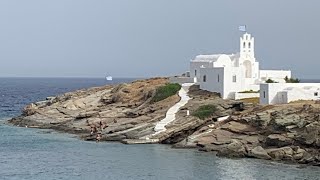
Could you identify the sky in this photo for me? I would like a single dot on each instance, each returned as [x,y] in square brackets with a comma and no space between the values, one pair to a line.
[147,38]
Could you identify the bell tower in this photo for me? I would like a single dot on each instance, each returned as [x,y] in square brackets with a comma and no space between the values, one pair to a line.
[247,46]
[247,59]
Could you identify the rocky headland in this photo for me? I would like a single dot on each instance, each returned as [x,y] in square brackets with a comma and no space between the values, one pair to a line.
[129,112]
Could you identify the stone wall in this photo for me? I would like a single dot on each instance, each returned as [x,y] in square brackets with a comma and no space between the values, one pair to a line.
[245,95]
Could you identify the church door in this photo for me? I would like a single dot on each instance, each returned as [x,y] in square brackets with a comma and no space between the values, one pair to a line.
[247,68]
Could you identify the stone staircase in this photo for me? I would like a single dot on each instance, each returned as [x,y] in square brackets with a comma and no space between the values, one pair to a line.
[170,116]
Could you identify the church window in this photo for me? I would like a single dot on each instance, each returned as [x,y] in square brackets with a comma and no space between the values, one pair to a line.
[315,93]
[195,72]
[234,78]
[249,45]
[218,78]
[244,45]
[246,37]
[204,78]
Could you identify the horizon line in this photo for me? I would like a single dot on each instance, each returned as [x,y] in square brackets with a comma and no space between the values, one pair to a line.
[88,77]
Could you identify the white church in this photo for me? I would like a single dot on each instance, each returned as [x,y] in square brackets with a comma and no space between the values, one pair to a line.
[229,74]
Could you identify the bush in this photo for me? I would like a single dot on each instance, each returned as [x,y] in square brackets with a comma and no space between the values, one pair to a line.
[166,91]
[204,111]
[291,80]
[271,81]
[250,91]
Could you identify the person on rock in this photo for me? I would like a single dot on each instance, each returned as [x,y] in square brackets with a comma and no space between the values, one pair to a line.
[91,132]
[98,137]
[104,126]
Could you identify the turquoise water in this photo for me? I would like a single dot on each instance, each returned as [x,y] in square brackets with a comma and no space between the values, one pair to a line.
[27,153]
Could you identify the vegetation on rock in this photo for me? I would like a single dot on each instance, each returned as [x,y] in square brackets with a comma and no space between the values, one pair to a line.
[166,91]
[205,111]
[253,100]
[271,81]
[291,80]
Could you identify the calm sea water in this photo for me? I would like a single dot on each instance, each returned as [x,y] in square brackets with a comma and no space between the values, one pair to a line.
[44,155]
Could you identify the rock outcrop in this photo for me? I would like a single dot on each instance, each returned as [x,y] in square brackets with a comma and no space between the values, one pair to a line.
[126,112]
[287,132]
[259,152]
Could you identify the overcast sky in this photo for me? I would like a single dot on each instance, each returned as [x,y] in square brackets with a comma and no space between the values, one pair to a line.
[143,38]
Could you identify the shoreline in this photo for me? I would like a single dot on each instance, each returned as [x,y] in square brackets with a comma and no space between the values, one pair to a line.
[277,133]
[76,136]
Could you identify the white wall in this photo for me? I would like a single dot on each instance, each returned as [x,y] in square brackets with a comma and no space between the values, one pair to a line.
[223,61]
[277,75]
[246,95]
[250,84]
[277,93]
[255,73]
[230,87]
[302,94]
[212,83]
[195,66]
[226,86]
[180,80]
[245,48]
[264,93]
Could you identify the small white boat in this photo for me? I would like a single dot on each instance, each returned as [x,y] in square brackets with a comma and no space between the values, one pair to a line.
[109,78]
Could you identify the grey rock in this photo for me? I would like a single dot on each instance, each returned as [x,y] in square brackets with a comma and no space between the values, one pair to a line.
[259,152]
[284,153]
[278,140]
[234,149]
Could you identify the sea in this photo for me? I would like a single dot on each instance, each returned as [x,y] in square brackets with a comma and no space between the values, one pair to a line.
[34,154]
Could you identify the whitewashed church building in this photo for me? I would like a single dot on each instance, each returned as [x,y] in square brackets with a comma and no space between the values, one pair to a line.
[229,74]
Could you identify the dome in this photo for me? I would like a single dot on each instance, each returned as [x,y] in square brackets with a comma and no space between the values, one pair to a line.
[212,57]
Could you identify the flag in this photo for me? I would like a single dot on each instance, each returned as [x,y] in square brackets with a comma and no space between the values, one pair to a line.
[242,28]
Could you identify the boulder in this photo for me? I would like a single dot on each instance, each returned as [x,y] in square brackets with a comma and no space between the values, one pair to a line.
[307,158]
[307,107]
[278,140]
[29,110]
[259,152]
[284,153]
[237,127]
[88,114]
[310,135]
[299,153]
[287,120]
[221,137]
[40,104]
[234,149]
[261,120]
[69,106]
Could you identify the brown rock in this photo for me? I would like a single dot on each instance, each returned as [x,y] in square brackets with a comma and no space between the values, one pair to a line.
[237,127]
[310,135]
[259,152]
[307,158]
[278,140]
[234,149]
[299,154]
[261,120]
[284,153]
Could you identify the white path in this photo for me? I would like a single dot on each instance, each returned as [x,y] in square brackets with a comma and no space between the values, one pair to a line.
[171,113]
